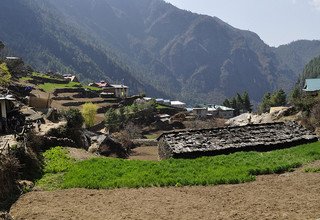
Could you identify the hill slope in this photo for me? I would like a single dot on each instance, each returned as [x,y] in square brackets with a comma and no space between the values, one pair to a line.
[36,33]
[171,52]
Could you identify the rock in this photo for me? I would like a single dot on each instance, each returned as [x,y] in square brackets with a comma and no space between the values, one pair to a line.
[5,216]
[93,148]
[110,147]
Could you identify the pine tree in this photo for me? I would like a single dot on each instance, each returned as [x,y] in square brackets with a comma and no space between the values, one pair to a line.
[246,102]
[227,103]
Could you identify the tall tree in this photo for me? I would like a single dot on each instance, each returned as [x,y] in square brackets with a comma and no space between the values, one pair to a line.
[246,102]
[278,98]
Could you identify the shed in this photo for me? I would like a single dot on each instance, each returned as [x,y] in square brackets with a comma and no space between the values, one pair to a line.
[210,142]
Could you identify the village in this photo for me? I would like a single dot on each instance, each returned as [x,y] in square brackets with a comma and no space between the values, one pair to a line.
[40,111]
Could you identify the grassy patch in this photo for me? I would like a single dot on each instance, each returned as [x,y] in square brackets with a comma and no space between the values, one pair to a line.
[101,173]
[313,170]
[25,79]
[50,87]
[92,88]
[152,136]
[159,106]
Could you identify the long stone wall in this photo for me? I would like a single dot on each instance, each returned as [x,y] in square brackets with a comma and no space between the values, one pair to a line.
[208,142]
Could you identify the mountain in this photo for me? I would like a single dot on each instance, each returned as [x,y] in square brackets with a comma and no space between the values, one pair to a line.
[311,70]
[171,52]
[298,53]
[42,39]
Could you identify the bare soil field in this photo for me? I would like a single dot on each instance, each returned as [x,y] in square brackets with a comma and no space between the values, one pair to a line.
[145,153]
[293,195]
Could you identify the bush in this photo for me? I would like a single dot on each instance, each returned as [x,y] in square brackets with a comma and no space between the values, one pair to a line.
[9,172]
[74,118]
[89,112]
[5,75]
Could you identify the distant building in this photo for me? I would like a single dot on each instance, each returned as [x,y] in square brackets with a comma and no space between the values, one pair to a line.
[159,100]
[217,111]
[119,91]
[200,112]
[178,104]
[220,111]
[147,99]
[102,84]
[71,78]
[312,85]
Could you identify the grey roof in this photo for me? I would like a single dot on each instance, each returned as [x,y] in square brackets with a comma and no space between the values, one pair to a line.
[312,85]
[252,137]
[119,86]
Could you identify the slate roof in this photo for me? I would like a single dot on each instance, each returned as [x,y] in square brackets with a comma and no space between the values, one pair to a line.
[184,144]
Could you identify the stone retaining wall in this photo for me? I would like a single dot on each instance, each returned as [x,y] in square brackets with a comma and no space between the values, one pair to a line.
[208,142]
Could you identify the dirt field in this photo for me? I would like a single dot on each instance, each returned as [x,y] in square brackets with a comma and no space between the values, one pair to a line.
[293,195]
[145,153]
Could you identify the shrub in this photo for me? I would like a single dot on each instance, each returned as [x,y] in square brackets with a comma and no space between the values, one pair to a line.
[74,118]
[5,75]
[89,112]
[9,169]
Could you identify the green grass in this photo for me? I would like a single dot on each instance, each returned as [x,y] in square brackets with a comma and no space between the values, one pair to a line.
[25,79]
[42,75]
[102,173]
[152,136]
[50,87]
[92,88]
[313,170]
[159,106]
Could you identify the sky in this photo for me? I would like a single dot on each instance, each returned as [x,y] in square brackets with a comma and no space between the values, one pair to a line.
[277,22]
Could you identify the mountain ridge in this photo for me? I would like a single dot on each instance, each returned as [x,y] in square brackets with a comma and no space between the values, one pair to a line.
[172,52]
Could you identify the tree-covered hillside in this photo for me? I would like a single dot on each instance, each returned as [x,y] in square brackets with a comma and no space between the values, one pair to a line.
[297,54]
[43,39]
[151,44]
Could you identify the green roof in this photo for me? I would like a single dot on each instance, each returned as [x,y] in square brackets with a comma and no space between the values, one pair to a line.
[312,85]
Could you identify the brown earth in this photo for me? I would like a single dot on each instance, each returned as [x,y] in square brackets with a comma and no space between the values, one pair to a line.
[145,153]
[293,195]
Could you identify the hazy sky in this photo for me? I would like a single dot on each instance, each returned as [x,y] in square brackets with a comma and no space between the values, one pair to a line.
[275,21]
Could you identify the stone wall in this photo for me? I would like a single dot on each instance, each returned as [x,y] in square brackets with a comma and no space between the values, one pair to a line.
[208,142]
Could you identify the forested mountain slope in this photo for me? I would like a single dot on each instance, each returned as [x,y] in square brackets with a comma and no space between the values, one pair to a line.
[37,33]
[149,43]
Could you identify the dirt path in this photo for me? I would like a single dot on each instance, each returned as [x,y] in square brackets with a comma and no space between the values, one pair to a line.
[288,196]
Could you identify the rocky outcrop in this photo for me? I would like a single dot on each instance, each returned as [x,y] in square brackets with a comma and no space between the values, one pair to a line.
[207,142]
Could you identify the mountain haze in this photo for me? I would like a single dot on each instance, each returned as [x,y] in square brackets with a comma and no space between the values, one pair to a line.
[167,51]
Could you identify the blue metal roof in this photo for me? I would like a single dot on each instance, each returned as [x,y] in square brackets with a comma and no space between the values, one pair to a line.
[312,85]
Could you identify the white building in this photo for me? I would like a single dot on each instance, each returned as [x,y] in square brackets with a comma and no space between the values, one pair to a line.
[178,104]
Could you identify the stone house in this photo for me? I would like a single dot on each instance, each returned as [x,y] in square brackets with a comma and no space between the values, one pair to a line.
[211,142]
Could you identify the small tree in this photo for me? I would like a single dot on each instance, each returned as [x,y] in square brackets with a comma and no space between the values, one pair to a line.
[74,118]
[5,75]
[112,120]
[89,112]
[265,104]
[278,98]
